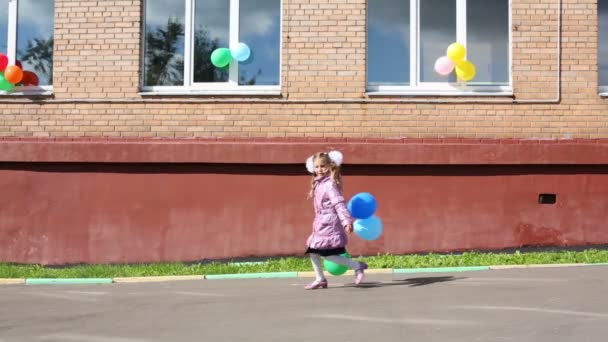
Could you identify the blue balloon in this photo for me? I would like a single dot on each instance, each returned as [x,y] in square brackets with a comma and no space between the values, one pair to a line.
[240,52]
[368,229]
[362,205]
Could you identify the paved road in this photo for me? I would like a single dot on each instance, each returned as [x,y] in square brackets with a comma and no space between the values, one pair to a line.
[540,305]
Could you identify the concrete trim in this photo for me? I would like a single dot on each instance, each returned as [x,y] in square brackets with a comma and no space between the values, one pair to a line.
[266,275]
[156,279]
[454,151]
[269,275]
[67,281]
[441,269]
[311,274]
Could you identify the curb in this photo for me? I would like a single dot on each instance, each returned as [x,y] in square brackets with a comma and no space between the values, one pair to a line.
[311,274]
[11,281]
[156,279]
[67,281]
[270,275]
[508,267]
[267,275]
[441,269]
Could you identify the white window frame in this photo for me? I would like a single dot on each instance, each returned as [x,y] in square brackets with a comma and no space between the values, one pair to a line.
[602,88]
[11,53]
[231,87]
[416,87]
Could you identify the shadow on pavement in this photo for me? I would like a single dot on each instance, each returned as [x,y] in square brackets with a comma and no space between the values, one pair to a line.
[411,282]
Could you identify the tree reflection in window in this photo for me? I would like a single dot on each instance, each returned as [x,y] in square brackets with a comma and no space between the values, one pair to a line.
[39,55]
[165,66]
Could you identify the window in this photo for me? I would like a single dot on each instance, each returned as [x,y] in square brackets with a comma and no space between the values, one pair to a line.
[26,37]
[603,45]
[180,35]
[405,38]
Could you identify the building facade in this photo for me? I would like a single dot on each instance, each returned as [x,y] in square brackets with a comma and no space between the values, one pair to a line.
[134,147]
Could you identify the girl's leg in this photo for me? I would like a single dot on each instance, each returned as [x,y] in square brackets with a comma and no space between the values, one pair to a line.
[355,265]
[315,259]
[320,282]
[338,259]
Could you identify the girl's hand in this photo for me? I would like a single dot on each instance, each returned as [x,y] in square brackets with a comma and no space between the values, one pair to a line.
[349,228]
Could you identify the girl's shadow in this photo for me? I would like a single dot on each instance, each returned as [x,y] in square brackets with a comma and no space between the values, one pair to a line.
[412,282]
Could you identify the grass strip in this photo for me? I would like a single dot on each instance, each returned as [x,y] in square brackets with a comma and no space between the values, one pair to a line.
[298,264]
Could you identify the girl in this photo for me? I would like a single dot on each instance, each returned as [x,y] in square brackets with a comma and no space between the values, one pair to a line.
[332,219]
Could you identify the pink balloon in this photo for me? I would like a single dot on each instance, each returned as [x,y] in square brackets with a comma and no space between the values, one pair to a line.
[444,65]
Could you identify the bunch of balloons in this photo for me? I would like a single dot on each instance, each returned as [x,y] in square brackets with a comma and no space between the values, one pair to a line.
[454,60]
[221,57]
[367,225]
[11,75]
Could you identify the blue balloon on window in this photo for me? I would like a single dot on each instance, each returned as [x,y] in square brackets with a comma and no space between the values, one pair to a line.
[368,229]
[362,205]
[240,52]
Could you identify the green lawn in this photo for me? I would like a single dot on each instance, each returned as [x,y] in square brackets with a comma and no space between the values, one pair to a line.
[590,256]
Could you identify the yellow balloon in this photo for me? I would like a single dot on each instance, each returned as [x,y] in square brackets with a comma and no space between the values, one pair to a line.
[456,52]
[465,70]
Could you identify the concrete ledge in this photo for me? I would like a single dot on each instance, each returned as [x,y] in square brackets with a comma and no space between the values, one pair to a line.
[67,281]
[157,279]
[406,151]
[4,281]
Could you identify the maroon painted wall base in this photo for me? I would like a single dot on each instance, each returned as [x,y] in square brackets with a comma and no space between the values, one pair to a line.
[108,213]
[62,213]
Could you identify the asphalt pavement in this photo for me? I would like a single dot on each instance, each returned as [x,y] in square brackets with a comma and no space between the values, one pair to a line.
[536,304]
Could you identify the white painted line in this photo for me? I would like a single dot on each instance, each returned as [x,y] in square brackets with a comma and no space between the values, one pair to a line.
[532,309]
[201,294]
[88,293]
[90,338]
[406,321]
[61,296]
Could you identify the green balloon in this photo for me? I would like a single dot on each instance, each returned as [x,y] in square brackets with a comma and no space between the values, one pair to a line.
[221,57]
[5,85]
[335,269]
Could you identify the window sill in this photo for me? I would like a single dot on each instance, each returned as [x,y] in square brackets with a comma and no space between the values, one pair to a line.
[439,89]
[210,92]
[438,93]
[604,94]
[28,91]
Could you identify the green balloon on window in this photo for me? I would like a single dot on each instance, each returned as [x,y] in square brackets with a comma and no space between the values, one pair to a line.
[221,57]
[4,84]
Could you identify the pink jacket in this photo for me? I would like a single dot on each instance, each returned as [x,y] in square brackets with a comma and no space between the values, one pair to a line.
[331,216]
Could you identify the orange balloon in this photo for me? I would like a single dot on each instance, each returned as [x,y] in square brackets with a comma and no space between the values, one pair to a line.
[13,74]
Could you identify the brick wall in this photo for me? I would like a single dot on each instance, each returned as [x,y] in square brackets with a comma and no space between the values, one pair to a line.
[97,71]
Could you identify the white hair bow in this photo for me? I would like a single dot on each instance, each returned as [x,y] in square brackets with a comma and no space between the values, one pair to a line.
[335,156]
